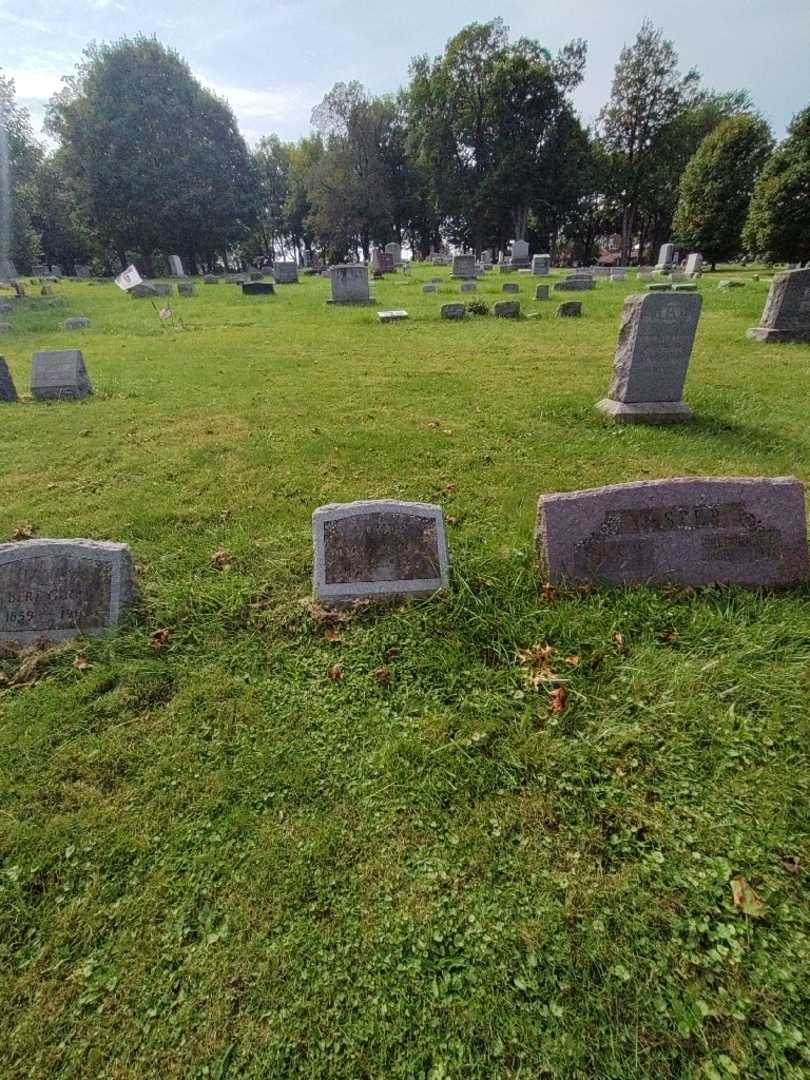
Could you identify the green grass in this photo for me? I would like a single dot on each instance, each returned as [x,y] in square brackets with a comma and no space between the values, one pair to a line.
[216,860]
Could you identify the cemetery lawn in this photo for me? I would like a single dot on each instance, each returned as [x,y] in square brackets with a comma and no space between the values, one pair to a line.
[240,839]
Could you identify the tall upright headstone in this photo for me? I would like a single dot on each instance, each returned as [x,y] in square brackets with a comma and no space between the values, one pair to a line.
[176,266]
[652,358]
[787,311]
[541,264]
[55,589]
[395,251]
[285,273]
[8,391]
[378,549]
[694,264]
[463,266]
[520,254]
[60,376]
[691,531]
[666,257]
[349,284]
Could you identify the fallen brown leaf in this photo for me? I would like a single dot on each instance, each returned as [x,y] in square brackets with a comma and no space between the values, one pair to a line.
[331,635]
[669,635]
[335,672]
[549,592]
[24,532]
[391,653]
[81,662]
[221,559]
[557,699]
[451,520]
[572,661]
[327,616]
[618,641]
[746,899]
[383,676]
[451,489]
[792,865]
[160,639]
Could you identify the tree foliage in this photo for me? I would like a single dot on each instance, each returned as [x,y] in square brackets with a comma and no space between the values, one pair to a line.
[24,155]
[716,187]
[778,221]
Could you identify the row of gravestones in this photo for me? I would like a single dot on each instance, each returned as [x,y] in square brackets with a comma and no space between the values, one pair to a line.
[690,531]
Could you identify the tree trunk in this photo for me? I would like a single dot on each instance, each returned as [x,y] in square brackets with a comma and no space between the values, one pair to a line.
[628,220]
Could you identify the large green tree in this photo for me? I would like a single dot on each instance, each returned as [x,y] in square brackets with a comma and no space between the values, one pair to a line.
[484,116]
[156,159]
[716,187]
[779,216]
[647,95]
[20,155]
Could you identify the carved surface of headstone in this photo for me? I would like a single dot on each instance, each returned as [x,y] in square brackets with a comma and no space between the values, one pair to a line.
[694,264]
[377,549]
[692,531]
[59,376]
[56,589]
[507,309]
[541,264]
[652,358]
[453,311]
[463,266]
[285,273]
[510,287]
[541,292]
[469,286]
[787,311]
[666,256]
[77,324]
[349,284]
[8,391]
[142,291]
[520,254]
[571,309]
[429,287]
[395,251]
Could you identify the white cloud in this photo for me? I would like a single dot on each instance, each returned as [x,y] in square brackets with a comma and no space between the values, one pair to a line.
[26,24]
[284,108]
[35,84]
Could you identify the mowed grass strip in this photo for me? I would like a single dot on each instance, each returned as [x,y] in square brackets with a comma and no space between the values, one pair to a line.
[268,845]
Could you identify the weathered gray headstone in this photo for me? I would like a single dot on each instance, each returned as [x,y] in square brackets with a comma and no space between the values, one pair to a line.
[55,589]
[395,251]
[392,316]
[660,286]
[210,279]
[463,266]
[285,273]
[257,288]
[571,309]
[142,291]
[40,269]
[511,287]
[429,287]
[575,284]
[541,264]
[82,272]
[176,266]
[349,284]
[59,376]
[507,309]
[468,286]
[162,289]
[694,264]
[652,358]
[666,256]
[77,324]
[541,292]
[618,273]
[378,549]
[56,271]
[453,311]
[691,531]
[186,288]
[787,311]
[8,391]
[685,286]
[520,254]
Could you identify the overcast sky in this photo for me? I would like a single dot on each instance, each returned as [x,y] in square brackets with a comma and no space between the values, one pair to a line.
[275,59]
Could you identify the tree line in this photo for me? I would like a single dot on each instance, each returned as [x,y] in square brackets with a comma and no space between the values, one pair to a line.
[482,146]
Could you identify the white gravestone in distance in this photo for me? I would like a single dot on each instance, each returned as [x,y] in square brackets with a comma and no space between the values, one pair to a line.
[395,251]
[59,376]
[176,266]
[694,264]
[349,284]
[652,358]
[666,256]
[376,549]
[56,589]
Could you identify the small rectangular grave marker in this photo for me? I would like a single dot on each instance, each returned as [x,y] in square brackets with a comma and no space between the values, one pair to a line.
[392,316]
[349,284]
[77,324]
[257,288]
[511,287]
[453,311]
[186,288]
[59,376]
[541,292]
[463,266]
[507,309]
[285,273]
[8,391]
[691,531]
[378,549]
[56,589]
[571,309]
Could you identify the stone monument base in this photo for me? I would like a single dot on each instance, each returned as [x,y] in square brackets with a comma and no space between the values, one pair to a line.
[763,333]
[645,412]
[370,300]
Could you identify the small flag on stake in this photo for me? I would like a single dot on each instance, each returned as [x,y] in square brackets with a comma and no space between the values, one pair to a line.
[129,278]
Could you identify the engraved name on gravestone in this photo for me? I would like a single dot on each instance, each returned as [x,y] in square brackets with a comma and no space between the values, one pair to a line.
[652,358]
[377,549]
[59,376]
[8,391]
[692,531]
[787,311]
[56,589]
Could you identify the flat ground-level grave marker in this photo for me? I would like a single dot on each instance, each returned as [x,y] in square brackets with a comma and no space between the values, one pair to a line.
[56,589]
[690,531]
[376,549]
[392,316]
[59,376]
